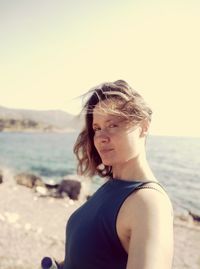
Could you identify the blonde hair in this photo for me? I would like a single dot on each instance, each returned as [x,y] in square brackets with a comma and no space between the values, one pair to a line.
[124,102]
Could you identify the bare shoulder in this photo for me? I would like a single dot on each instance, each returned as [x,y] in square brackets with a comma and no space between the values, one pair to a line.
[149,200]
[151,191]
[149,218]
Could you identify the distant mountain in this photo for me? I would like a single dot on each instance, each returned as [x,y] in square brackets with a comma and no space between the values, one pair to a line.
[35,120]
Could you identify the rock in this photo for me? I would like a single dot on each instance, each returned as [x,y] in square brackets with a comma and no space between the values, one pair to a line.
[194,216]
[42,191]
[1,177]
[184,215]
[48,189]
[70,187]
[29,180]
[51,184]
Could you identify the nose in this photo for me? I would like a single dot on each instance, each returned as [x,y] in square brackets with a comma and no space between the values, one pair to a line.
[101,136]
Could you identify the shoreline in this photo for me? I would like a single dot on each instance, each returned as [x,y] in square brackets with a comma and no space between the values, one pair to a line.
[39,131]
[33,226]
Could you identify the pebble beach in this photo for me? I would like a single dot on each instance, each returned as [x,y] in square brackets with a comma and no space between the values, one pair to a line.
[33,226]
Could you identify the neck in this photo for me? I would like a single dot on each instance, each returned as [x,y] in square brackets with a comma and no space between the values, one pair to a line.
[134,169]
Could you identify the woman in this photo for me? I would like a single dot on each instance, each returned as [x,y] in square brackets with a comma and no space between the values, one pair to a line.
[128,222]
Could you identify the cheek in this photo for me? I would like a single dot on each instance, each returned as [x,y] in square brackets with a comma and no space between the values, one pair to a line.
[95,139]
[95,143]
[129,144]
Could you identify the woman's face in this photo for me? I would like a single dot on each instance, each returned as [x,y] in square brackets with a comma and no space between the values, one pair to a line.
[115,140]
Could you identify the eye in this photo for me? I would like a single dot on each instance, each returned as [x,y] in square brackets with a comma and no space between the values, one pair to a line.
[95,129]
[112,125]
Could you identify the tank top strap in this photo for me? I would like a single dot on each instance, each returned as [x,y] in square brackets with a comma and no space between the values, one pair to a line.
[142,186]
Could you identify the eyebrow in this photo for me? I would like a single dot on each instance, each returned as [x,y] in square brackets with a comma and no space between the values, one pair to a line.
[105,121]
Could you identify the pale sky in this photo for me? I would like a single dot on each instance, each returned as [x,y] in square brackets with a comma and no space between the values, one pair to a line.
[52,51]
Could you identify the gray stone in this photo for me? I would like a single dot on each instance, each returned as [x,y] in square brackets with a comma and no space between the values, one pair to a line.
[195,216]
[1,177]
[70,187]
[29,180]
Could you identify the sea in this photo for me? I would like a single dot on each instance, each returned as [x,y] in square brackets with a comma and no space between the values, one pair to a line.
[175,162]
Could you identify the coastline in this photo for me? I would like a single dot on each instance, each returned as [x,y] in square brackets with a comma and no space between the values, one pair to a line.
[33,226]
[33,131]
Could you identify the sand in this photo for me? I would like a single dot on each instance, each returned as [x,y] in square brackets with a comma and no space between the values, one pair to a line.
[33,227]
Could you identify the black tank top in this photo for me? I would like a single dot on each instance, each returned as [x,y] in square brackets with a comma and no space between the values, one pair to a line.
[91,237]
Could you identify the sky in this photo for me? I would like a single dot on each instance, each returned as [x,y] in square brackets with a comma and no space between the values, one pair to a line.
[51,52]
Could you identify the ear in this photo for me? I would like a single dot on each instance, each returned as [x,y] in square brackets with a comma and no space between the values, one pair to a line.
[145,127]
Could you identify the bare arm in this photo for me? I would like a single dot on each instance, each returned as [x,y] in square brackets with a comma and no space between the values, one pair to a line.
[151,226]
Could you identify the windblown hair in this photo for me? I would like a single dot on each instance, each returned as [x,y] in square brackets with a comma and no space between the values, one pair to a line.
[125,103]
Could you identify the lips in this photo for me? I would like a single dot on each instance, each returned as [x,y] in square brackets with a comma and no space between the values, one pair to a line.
[103,151]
